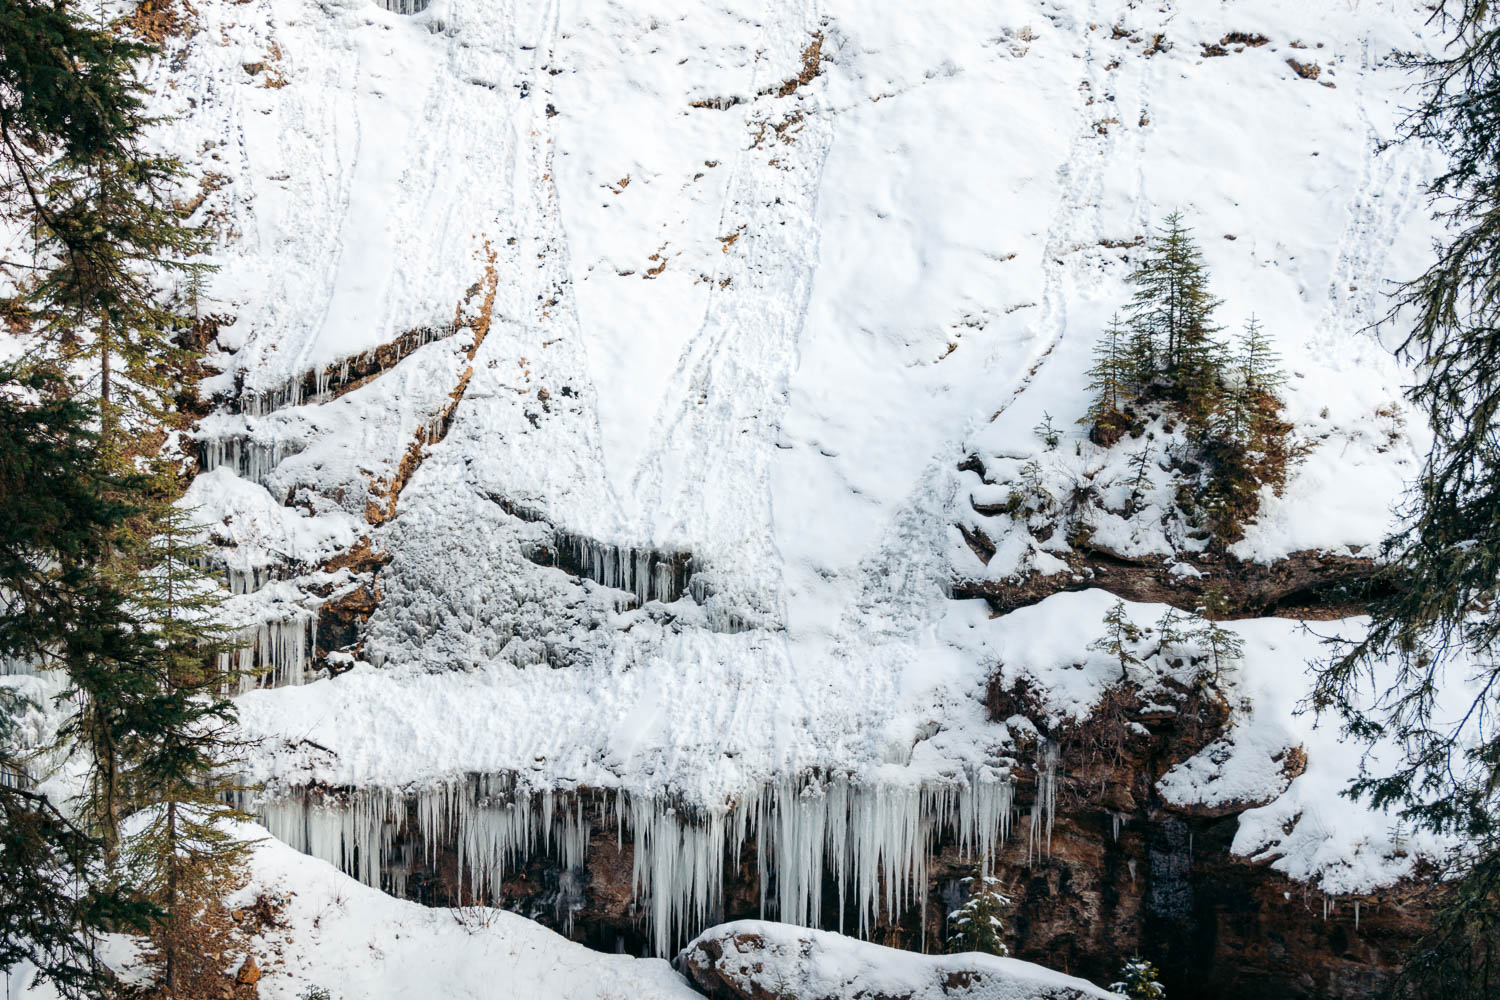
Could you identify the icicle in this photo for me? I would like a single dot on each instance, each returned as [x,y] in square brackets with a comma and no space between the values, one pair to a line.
[248,457]
[1045,806]
[645,573]
[871,842]
[274,653]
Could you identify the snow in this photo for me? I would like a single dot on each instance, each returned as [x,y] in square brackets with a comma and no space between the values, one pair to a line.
[354,941]
[900,263]
[780,400]
[1304,827]
[776,959]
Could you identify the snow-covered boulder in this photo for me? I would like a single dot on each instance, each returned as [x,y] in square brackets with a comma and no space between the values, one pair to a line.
[760,960]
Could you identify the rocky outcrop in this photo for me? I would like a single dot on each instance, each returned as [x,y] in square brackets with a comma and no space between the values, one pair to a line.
[756,960]
[1121,872]
[1130,873]
[1308,585]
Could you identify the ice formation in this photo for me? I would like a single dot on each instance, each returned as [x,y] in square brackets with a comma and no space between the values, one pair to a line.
[248,458]
[872,840]
[1045,806]
[650,574]
[329,380]
[275,653]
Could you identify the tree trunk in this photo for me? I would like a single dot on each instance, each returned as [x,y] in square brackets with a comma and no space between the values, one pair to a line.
[169,942]
[106,417]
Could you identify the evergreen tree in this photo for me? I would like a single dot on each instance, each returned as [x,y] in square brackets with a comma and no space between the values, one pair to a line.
[95,573]
[1169,633]
[1257,363]
[1140,463]
[976,925]
[1433,609]
[67,88]
[113,233]
[1048,432]
[79,175]
[1220,645]
[60,512]
[178,768]
[1171,313]
[1138,981]
[1248,414]
[54,906]
[1119,634]
[1111,381]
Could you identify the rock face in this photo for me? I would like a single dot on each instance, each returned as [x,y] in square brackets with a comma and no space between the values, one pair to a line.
[1307,585]
[757,960]
[1123,872]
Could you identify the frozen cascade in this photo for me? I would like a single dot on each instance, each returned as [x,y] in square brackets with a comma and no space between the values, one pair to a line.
[248,578]
[649,574]
[873,841]
[17,666]
[248,458]
[1044,807]
[273,653]
[322,384]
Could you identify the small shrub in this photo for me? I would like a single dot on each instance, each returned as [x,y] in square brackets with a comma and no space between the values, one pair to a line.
[1138,981]
[976,926]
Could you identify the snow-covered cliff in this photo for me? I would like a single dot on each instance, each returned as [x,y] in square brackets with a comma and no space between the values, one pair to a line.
[633,348]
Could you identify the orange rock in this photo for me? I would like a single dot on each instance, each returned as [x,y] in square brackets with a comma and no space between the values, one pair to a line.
[249,973]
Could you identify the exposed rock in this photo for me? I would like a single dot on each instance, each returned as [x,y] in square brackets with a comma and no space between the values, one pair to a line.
[1309,585]
[249,973]
[1308,71]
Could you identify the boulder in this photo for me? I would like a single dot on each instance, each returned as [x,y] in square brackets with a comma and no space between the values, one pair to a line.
[760,960]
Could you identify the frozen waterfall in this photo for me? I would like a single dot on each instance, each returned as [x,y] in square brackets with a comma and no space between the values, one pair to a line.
[871,841]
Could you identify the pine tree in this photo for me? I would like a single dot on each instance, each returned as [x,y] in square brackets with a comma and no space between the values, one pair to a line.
[1171,313]
[1048,432]
[976,925]
[1111,380]
[1140,463]
[114,235]
[1169,633]
[1251,403]
[97,201]
[1220,645]
[1199,381]
[1119,633]
[106,596]
[1258,364]
[179,768]
[56,902]
[61,509]
[1432,607]
[1138,981]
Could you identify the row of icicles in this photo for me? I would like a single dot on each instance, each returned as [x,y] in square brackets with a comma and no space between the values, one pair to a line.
[871,842]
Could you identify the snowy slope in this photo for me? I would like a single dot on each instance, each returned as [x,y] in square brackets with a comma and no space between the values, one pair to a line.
[331,932]
[759,315]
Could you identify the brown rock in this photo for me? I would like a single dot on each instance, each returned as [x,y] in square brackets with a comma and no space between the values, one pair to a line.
[249,973]
[1308,71]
